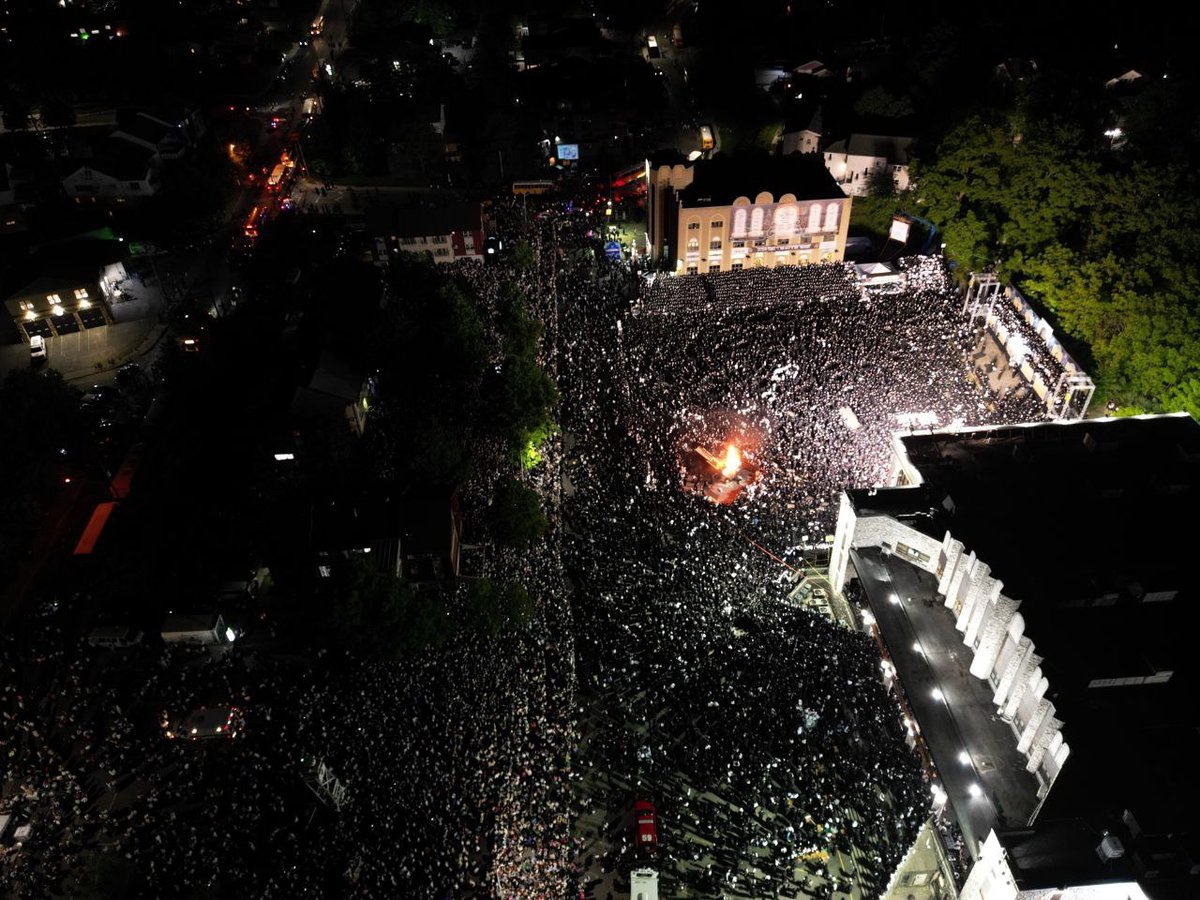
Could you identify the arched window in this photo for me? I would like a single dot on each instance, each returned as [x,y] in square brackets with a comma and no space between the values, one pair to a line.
[716,225]
[785,221]
[693,245]
[831,217]
[814,218]
[739,222]
[756,220]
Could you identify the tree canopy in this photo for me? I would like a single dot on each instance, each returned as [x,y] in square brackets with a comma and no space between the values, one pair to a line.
[1106,245]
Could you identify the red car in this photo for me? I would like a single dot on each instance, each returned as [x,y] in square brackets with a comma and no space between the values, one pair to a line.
[647,825]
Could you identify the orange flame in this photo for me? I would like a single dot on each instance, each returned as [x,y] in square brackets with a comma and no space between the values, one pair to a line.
[733,461]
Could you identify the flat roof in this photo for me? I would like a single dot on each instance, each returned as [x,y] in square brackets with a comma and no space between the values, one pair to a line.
[721,180]
[186,623]
[921,641]
[418,221]
[1082,522]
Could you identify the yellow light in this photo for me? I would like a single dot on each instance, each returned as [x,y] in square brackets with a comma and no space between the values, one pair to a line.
[85,304]
[58,310]
[30,315]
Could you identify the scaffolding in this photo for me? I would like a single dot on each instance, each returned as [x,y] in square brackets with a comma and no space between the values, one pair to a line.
[322,782]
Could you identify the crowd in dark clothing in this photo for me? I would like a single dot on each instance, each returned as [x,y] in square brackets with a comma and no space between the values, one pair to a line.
[664,661]
[761,730]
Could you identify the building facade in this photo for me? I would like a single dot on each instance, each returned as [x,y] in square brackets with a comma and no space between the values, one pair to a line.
[723,215]
[444,234]
[855,161]
[1026,585]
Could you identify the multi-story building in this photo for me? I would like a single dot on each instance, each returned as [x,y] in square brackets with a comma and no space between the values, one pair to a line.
[1031,590]
[445,234]
[729,213]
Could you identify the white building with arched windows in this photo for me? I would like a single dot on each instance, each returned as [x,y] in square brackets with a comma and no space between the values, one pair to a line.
[730,213]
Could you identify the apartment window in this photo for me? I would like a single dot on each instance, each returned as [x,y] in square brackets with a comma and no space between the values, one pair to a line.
[693,225]
[715,267]
[736,267]
[439,239]
[737,245]
[441,251]
[782,241]
[81,293]
[716,224]
[54,299]
[714,244]
[693,245]
[760,242]
[691,270]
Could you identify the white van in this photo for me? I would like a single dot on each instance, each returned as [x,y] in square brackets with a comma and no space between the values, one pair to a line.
[37,348]
[114,636]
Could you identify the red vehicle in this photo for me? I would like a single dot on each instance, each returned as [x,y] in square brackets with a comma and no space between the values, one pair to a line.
[647,825]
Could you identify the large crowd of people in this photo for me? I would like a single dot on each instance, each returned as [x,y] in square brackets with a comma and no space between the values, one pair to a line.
[760,730]
[664,662]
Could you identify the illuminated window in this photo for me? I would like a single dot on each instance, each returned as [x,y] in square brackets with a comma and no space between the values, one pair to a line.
[785,220]
[81,293]
[814,217]
[756,220]
[693,245]
[739,223]
[831,217]
[53,299]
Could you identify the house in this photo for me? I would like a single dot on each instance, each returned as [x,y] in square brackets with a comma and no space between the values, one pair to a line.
[164,141]
[853,161]
[430,538]
[123,171]
[335,390]
[418,538]
[69,288]
[803,136]
[445,234]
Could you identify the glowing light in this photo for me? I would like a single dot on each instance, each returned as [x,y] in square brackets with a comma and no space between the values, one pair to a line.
[937,694]
[975,790]
[58,310]
[733,461]
[964,757]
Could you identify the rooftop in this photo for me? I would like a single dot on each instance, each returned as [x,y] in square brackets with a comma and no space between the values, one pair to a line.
[417,221]
[721,180]
[893,149]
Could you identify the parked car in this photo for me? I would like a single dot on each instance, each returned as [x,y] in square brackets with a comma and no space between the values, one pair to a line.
[37,349]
